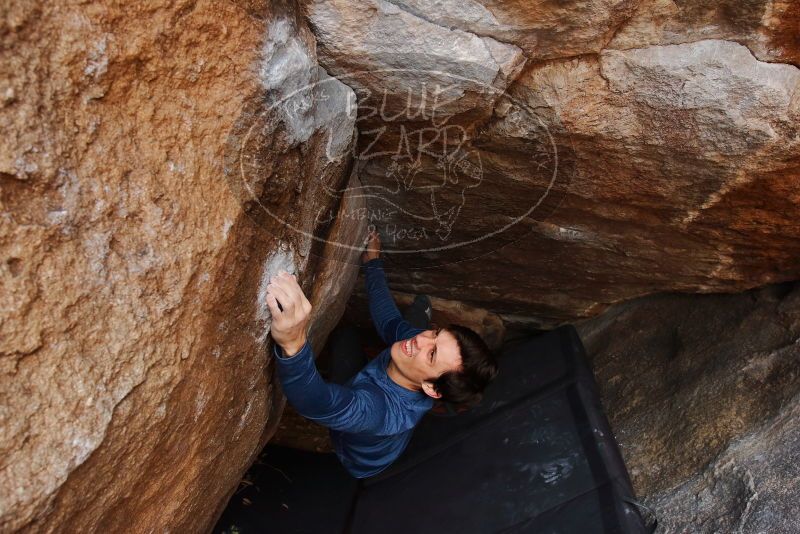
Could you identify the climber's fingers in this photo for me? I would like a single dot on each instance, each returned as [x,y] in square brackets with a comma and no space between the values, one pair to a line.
[305,305]
[373,240]
[297,302]
[284,299]
[285,281]
[372,248]
[272,304]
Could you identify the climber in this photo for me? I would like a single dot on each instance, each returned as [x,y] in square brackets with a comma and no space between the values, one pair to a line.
[372,414]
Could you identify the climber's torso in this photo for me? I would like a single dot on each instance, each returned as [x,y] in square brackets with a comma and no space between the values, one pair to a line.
[366,454]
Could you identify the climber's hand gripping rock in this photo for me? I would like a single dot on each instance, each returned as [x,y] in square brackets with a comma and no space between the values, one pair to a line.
[372,250]
[290,320]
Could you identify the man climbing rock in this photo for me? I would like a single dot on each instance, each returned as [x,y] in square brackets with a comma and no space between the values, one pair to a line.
[371,415]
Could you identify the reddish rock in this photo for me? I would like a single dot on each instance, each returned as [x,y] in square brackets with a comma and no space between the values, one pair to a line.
[543,30]
[535,159]
[581,181]
[770,28]
[135,372]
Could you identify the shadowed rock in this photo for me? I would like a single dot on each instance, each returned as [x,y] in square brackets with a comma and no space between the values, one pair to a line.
[702,393]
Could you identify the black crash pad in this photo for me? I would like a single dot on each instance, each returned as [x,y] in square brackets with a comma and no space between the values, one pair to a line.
[536,456]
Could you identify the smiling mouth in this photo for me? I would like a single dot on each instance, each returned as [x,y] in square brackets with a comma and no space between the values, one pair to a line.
[408,347]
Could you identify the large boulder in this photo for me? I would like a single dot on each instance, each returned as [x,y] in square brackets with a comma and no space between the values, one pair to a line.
[542,29]
[649,153]
[159,163]
[752,486]
[535,161]
[702,393]
[769,28]
[687,177]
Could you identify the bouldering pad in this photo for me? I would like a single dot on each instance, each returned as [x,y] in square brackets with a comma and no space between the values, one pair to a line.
[537,455]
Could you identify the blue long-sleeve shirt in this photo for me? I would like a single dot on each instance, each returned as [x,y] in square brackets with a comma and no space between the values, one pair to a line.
[371,417]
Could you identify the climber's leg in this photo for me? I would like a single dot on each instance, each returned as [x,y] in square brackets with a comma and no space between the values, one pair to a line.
[418,314]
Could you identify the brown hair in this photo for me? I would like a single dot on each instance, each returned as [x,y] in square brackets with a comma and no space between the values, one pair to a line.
[478,367]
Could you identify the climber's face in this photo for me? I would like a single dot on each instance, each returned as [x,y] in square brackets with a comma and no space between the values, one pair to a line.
[418,361]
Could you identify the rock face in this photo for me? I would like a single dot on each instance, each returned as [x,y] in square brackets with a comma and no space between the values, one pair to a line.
[686,164]
[157,167]
[642,147]
[543,30]
[751,487]
[769,28]
[540,160]
[703,393]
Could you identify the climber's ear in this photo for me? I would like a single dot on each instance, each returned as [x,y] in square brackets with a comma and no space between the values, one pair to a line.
[430,390]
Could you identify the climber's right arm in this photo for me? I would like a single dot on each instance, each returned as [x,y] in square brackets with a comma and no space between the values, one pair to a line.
[332,405]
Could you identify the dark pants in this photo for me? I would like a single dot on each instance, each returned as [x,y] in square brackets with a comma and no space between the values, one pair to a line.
[347,351]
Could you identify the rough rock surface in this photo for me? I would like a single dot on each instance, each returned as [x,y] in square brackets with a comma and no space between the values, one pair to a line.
[654,153]
[770,28]
[538,159]
[147,191]
[687,166]
[544,30]
[753,486]
[703,393]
